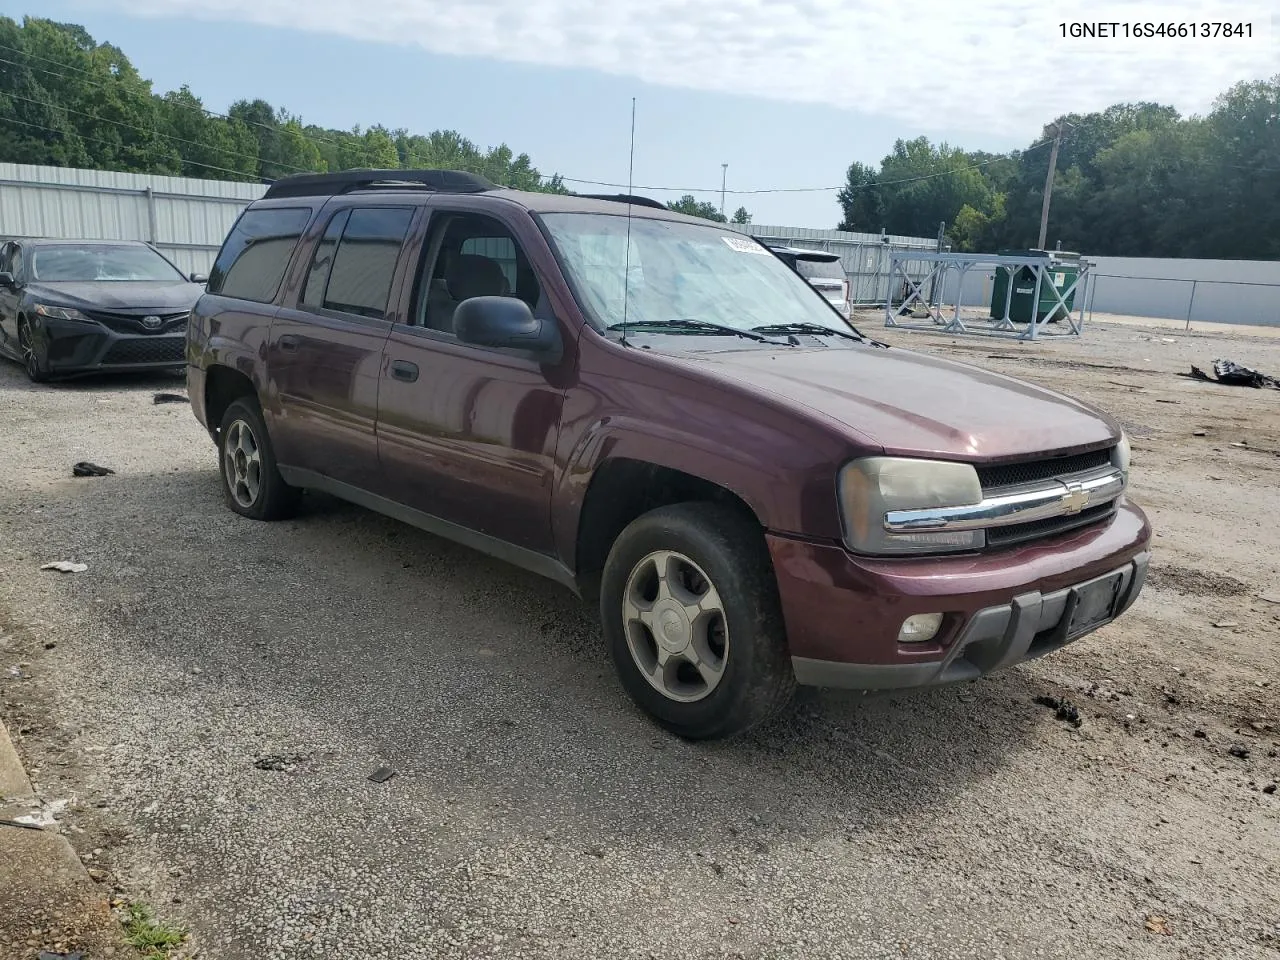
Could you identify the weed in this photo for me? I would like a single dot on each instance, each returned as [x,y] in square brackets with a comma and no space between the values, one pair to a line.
[152,937]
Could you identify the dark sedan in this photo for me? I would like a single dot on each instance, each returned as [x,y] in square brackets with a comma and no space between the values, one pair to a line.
[72,307]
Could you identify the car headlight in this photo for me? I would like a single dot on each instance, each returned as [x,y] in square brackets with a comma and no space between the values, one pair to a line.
[59,313]
[870,488]
[1120,456]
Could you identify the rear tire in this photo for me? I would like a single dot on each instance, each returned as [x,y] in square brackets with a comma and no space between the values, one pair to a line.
[251,482]
[690,611]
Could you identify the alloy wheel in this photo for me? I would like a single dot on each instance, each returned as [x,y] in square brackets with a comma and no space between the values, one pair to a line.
[28,350]
[676,627]
[242,463]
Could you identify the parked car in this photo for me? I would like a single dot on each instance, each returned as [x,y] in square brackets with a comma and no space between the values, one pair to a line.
[753,493]
[823,270]
[71,307]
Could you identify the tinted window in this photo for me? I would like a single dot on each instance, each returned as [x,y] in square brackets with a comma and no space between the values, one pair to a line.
[501,250]
[252,262]
[322,261]
[477,256]
[101,263]
[815,270]
[360,278]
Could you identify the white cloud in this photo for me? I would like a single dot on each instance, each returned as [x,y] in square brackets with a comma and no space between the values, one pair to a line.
[995,66]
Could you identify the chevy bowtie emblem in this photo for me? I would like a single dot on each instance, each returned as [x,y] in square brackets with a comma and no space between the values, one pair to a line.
[1076,498]
[151,322]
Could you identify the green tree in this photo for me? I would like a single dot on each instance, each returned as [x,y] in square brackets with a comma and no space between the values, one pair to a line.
[693,207]
[208,145]
[282,143]
[741,216]
[860,199]
[67,87]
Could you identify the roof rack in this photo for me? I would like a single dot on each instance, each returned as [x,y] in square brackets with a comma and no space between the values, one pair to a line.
[625,198]
[330,184]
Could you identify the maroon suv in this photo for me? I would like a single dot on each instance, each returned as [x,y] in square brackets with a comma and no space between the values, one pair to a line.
[662,416]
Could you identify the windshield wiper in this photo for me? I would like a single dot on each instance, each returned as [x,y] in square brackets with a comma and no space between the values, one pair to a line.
[814,328]
[818,329]
[702,326]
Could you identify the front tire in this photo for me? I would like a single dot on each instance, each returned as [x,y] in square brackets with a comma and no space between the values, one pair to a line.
[690,611]
[251,482]
[35,369]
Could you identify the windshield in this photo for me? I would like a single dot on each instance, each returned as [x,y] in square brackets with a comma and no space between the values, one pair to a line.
[81,264]
[681,271]
[829,270]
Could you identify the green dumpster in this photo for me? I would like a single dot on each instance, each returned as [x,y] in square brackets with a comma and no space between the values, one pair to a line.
[1061,272]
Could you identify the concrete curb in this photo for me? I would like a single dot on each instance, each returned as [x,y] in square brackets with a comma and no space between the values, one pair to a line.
[48,901]
[13,778]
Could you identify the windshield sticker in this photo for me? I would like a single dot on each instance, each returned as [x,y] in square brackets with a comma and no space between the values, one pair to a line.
[744,246]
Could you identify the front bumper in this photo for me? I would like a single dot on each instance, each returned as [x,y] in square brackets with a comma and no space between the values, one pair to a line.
[843,613]
[72,347]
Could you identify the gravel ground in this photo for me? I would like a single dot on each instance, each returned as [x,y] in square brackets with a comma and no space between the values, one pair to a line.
[535,813]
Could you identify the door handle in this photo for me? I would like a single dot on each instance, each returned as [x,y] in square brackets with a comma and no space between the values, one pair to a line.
[288,342]
[404,370]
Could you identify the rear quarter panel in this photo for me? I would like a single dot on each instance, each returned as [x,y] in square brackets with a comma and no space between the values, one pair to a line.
[229,333]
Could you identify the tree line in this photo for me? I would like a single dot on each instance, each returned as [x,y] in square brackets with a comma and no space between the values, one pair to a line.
[68,101]
[1136,179]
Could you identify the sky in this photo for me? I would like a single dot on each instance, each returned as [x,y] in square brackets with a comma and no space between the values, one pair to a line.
[787,93]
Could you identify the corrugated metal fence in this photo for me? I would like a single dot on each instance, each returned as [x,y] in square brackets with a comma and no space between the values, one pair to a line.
[185,218]
[188,219]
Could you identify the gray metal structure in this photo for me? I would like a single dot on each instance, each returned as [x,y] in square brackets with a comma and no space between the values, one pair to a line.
[865,257]
[187,218]
[947,271]
[184,218]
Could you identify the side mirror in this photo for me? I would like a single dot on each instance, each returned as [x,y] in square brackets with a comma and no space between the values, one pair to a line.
[6,281]
[504,322]
[199,278]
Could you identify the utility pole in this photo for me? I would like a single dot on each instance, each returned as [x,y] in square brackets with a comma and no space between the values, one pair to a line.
[724,178]
[1048,184]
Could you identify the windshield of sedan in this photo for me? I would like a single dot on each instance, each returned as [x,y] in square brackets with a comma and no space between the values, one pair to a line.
[100,262]
[681,271]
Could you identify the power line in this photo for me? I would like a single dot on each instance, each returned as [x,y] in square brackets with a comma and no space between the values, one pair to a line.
[864,186]
[155,133]
[597,183]
[80,136]
[103,86]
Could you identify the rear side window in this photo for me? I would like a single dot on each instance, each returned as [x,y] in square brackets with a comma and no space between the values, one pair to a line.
[817,270]
[322,261]
[358,280]
[252,262]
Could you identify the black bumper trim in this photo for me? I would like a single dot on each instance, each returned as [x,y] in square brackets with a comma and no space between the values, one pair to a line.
[1030,625]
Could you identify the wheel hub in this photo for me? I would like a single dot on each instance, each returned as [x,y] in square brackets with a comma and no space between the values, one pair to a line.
[673,626]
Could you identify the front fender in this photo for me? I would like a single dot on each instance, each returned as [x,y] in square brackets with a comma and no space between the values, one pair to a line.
[789,486]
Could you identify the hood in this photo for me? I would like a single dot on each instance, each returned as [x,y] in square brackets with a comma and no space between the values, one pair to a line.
[918,405]
[117,295]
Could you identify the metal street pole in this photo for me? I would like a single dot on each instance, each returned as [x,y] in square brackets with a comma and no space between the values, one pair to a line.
[1048,185]
[724,177]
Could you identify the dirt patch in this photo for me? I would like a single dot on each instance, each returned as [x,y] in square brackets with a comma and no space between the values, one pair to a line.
[1195,583]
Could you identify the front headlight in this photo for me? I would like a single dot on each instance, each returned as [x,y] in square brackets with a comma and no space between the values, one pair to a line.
[59,313]
[872,487]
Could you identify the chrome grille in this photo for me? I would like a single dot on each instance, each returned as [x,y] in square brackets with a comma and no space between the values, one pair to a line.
[1034,471]
[1038,529]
